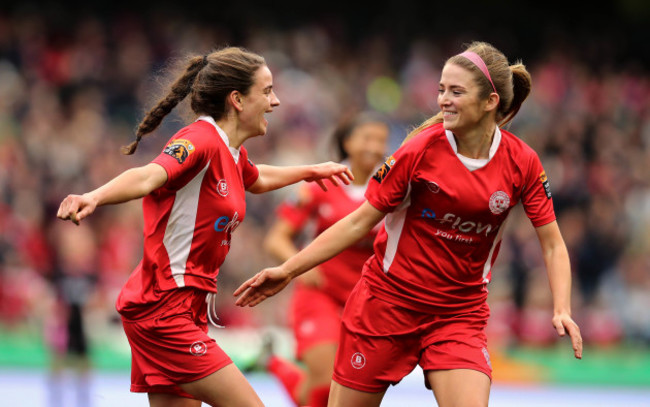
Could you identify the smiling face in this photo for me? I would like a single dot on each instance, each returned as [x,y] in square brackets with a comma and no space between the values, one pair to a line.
[259,100]
[459,99]
[367,144]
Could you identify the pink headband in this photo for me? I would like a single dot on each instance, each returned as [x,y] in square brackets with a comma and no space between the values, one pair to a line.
[478,61]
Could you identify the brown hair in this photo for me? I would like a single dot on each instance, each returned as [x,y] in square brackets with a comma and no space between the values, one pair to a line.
[209,79]
[512,83]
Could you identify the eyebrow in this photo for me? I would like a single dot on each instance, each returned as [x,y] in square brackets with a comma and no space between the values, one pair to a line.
[452,87]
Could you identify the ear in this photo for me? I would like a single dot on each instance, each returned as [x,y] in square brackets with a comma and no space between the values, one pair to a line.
[235,99]
[492,102]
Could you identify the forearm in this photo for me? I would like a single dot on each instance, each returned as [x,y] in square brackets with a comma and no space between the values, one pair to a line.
[279,242]
[131,184]
[334,240]
[274,177]
[559,275]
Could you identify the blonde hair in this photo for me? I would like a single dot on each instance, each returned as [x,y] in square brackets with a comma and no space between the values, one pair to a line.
[512,83]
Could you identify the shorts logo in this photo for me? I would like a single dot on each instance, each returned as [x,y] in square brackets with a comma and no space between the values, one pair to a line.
[381,173]
[487,357]
[433,187]
[198,348]
[222,187]
[358,360]
[499,202]
[180,149]
[544,180]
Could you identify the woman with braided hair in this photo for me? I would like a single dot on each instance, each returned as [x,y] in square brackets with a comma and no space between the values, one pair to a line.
[445,195]
[193,202]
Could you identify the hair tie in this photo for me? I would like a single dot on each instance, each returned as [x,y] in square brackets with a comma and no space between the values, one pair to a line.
[138,138]
[480,64]
[205,60]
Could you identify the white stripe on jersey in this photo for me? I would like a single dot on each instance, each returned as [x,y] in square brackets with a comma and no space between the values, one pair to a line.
[394,223]
[488,264]
[180,226]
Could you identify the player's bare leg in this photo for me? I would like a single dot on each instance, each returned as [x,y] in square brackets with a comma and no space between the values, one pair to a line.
[460,387]
[319,360]
[171,400]
[341,396]
[225,387]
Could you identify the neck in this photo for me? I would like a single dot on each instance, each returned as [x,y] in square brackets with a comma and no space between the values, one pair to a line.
[476,142]
[360,174]
[230,125]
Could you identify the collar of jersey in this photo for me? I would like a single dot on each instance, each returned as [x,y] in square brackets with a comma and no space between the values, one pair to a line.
[474,163]
[223,135]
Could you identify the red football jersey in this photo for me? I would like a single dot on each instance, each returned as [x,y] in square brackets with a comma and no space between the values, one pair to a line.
[443,229]
[188,221]
[341,272]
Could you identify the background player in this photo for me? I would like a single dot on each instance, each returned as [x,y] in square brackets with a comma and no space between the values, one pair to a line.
[320,294]
[193,201]
[447,192]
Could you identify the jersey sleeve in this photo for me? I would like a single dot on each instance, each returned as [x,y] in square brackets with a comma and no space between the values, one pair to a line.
[389,186]
[298,210]
[184,156]
[536,195]
[250,172]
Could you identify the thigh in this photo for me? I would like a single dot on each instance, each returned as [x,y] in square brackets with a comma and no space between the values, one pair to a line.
[459,387]
[171,400]
[319,360]
[225,387]
[342,396]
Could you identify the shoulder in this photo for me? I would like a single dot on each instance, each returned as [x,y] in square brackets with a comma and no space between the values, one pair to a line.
[516,147]
[423,141]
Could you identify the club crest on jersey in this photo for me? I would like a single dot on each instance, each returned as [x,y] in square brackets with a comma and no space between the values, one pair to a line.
[547,187]
[381,173]
[433,187]
[499,202]
[222,187]
[180,149]
[198,348]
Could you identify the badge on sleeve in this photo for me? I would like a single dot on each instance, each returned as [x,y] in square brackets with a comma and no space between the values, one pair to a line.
[544,180]
[180,149]
[381,173]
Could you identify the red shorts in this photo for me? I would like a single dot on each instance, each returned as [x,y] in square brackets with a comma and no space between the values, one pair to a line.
[173,347]
[382,342]
[315,318]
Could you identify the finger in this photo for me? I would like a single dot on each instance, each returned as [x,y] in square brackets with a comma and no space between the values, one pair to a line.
[321,184]
[576,340]
[333,180]
[559,327]
[245,285]
[245,298]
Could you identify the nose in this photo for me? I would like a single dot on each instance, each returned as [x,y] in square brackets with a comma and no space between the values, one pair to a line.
[443,100]
[274,100]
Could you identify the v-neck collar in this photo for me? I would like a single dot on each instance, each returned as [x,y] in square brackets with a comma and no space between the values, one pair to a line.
[233,151]
[473,164]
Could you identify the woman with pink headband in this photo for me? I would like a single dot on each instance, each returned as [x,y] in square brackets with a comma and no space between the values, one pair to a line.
[445,195]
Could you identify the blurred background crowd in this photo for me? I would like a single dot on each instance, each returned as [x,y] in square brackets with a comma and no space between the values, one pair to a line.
[74,83]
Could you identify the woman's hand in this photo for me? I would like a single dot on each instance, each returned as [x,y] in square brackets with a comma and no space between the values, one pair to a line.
[564,324]
[76,207]
[331,171]
[264,284]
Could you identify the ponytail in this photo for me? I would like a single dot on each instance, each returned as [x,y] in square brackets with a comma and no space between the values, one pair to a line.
[521,85]
[179,90]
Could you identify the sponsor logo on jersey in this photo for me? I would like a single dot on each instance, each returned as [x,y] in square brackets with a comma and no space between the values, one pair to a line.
[227,225]
[547,187]
[383,171]
[198,348]
[499,202]
[180,149]
[433,187]
[222,187]
[358,360]
[428,214]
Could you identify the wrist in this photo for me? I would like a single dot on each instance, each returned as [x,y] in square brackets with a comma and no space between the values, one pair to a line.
[92,198]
